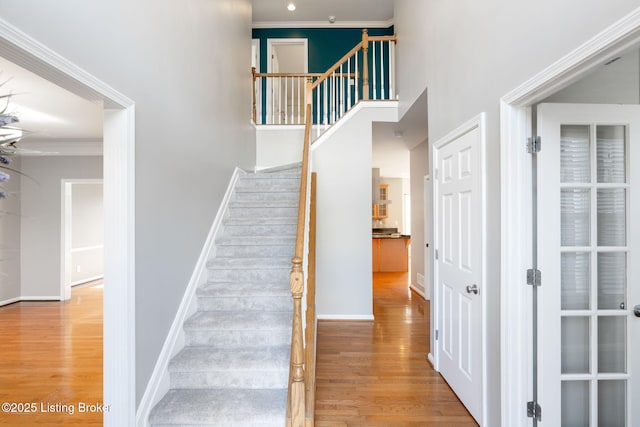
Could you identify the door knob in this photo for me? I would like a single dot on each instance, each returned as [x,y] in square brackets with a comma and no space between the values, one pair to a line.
[636,310]
[473,289]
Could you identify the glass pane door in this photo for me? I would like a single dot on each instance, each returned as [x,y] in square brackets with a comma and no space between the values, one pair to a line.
[593,199]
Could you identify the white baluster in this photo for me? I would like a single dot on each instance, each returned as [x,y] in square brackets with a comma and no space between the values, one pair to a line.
[348,83]
[317,111]
[373,66]
[334,102]
[325,104]
[382,94]
[357,79]
[286,100]
[392,69]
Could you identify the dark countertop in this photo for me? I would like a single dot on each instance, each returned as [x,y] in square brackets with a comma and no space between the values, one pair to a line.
[390,236]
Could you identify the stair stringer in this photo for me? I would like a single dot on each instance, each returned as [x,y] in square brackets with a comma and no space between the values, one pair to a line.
[158,384]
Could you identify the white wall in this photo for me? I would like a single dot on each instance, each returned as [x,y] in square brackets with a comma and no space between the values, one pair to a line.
[343,164]
[10,238]
[87,232]
[472,53]
[278,145]
[186,64]
[41,218]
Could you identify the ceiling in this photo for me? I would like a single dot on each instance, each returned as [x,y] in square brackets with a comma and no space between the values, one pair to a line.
[52,118]
[316,12]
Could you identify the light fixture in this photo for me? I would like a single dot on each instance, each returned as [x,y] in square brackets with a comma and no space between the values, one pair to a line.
[291,7]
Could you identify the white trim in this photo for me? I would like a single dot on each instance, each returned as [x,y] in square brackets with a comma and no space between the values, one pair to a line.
[366,317]
[87,280]
[87,248]
[40,298]
[83,147]
[478,122]
[430,360]
[417,289]
[9,301]
[322,24]
[516,319]
[158,384]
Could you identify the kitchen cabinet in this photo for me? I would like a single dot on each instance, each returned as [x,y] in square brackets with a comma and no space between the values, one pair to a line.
[390,254]
[380,210]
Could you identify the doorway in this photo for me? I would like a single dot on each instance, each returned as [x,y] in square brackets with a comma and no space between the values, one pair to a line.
[289,60]
[82,233]
[521,379]
[119,150]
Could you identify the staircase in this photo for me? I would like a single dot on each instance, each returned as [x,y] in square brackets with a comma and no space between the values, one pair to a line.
[234,368]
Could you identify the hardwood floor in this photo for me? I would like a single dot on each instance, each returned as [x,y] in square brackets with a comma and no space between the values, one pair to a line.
[51,356]
[376,374]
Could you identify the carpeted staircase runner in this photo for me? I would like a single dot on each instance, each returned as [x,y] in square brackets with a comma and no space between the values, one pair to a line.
[233,370]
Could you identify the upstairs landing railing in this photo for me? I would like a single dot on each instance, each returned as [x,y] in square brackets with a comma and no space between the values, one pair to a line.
[333,94]
[366,72]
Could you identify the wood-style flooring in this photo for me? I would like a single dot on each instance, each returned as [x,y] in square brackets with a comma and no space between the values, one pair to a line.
[50,356]
[376,373]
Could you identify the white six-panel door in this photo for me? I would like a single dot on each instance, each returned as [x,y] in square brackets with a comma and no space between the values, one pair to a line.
[459,276]
[588,243]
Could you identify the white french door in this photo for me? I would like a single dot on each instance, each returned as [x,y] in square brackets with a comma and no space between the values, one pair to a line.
[459,264]
[588,255]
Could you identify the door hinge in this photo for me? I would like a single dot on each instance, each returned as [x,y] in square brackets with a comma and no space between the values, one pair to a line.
[533,144]
[534,410]
[534,277]
[437,334]
[436,254]
[436,174]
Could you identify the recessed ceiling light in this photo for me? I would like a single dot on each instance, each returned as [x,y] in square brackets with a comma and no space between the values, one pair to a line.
[291,7]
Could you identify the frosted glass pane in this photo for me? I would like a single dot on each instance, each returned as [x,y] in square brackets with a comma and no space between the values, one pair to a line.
[574,153]
[612,283]
[611,217]
[612,403]
[610,149]
[612,344]
[575,280]
[574,352]
[575,214]
[574,403]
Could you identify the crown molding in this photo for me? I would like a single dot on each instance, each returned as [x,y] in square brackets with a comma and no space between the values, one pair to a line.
[79,147]
[322,24]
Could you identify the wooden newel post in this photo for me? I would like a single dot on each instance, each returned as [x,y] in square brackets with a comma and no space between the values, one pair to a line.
[365,64]
[254,111]
[297,394]
[308,96]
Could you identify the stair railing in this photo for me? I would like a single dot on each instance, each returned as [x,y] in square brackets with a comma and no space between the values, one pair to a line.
[283,98]
[333,93]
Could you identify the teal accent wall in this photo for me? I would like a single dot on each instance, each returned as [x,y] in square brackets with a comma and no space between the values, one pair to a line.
[326,45]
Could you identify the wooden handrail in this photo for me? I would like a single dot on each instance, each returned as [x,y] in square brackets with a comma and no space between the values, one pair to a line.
[335,66]
[310,331]
[301,75]
[297,388]
[393,38]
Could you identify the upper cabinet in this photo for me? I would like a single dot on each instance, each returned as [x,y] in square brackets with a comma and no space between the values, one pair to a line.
[380,210]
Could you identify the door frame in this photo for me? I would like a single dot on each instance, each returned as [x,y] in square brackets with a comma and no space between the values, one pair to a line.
[478,122]
[516,215]
[66,227]
[271,42]
[119,204]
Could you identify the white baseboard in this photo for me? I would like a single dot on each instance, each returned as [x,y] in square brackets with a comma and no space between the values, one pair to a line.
[87,280]
[430,359]
[9,301]
[345,317]
[40,298]
[418,290]
[159,382]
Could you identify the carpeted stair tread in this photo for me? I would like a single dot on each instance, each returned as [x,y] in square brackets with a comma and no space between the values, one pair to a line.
[252,240]
[208,359]
[230,289]
[221,408]
[249,263]
[214,320]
